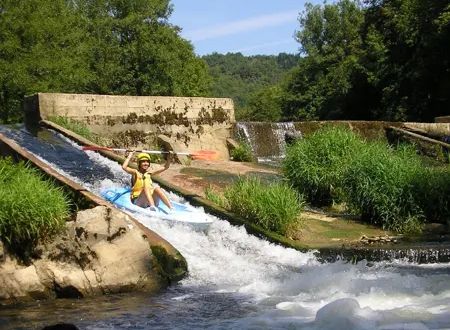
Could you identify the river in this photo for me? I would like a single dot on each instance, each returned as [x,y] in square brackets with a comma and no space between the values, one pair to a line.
[238,281]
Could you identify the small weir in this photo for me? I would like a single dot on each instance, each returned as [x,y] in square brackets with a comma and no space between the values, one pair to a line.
[267,140]
[239,281]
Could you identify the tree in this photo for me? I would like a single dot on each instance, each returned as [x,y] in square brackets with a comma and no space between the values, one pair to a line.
[243,77]
[407,45]
[41,49]
[93,46]
[137,52]
[331,45]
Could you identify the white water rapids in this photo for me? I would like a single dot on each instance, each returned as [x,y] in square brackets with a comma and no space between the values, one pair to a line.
[280,288]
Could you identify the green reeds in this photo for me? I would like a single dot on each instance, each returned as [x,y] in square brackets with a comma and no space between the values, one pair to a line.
[386,186]
[379,185]
[315,165]
[31,208]
[274,207]
[74,126]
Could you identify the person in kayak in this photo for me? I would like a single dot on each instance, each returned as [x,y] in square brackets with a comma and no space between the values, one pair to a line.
[143,191]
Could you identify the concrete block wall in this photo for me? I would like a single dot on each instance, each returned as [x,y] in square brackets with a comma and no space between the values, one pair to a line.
[192,123]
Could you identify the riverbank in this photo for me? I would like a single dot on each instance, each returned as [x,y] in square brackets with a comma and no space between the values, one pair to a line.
[322,229]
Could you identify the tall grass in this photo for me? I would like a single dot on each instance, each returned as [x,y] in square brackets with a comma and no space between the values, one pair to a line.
[432,191]
[74,126]
[379,184]
[387,186]
[315,166]
[31,208]
[274,207]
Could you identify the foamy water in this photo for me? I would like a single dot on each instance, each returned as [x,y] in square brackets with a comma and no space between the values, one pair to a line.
[265,286]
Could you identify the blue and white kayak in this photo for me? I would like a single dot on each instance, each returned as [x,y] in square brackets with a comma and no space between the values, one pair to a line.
[181,213]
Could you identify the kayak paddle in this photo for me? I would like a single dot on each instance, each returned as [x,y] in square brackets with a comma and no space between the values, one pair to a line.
[201,154]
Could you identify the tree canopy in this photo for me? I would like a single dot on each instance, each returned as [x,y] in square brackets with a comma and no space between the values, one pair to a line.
[93,46]
[377,60]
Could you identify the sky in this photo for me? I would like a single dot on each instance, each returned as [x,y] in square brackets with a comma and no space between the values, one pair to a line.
[251,27]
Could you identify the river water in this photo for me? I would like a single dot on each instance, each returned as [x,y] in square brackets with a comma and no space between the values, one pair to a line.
[238,281]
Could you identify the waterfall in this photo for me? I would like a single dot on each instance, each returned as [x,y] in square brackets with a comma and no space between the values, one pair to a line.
[267,140]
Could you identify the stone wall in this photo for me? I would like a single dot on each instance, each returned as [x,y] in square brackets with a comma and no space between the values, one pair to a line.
[191,123]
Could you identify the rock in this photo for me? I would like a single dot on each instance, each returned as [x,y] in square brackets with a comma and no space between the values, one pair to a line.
[103,251]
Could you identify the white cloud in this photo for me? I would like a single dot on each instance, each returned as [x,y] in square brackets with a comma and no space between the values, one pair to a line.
[249,24]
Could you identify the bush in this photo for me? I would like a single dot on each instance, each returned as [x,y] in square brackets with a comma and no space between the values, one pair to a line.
[243,153]
[31,208]
[274,207]
[315,165]
[432,191]
[379,184]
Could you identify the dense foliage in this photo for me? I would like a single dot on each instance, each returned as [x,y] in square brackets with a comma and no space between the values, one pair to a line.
[84,46]
[387,186]
[361,60]
[31,208]
[316,165]
[384,60]
[246,78]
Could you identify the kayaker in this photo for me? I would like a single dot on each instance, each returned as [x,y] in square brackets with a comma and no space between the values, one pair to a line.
[144,191]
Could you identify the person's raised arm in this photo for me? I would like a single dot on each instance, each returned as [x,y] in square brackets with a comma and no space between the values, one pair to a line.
[126,162]
[166,164]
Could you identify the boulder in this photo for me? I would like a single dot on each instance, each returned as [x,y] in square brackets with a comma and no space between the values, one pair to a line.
[102,251]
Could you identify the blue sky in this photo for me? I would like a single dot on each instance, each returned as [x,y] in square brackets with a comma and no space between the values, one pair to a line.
[248,26]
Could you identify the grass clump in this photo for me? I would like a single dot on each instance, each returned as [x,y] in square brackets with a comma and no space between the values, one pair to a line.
[74,126]
[242,153]
[274,207]
[316,165]
[31,208]
[432,191]
[215,197]
[379,185]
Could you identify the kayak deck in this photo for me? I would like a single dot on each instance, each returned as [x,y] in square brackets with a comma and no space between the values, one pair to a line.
[180,214]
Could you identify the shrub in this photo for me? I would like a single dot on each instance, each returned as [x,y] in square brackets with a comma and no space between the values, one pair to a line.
[315,165]
[274,207]
[243,153]
[379,183]
[31,208]
[432,191]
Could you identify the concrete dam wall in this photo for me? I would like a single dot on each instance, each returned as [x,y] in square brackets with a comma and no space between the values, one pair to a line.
[190,123]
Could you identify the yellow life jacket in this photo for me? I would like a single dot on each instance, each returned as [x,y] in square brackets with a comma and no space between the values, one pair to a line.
[138,183]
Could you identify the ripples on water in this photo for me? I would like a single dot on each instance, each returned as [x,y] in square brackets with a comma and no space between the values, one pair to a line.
[237,281]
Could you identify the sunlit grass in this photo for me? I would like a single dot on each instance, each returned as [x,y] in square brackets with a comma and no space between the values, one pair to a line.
[274,207]
[31,208]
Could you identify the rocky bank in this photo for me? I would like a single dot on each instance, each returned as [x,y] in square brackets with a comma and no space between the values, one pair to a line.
[103,251]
